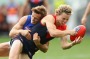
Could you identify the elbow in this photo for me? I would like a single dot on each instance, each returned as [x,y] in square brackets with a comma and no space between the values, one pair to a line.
[64,48]
[10,35]
[45,50]
[56,35]
[53,34]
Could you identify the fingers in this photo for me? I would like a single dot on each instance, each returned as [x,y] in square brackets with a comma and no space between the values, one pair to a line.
[35,36]
[78,40]
[28,36]
[29,30]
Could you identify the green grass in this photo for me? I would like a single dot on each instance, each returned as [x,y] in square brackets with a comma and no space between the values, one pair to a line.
[80,51]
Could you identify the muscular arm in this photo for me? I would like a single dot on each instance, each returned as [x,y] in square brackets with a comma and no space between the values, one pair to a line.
[22,8]
[18,27]
[54,32]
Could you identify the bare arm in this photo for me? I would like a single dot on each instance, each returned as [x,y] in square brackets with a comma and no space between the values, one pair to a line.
[46,4]
[66,45]
[36,40]
[54,32]
[18,28]
[23,8]
[87,12]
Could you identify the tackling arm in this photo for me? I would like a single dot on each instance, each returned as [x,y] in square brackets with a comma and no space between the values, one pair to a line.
[18,28]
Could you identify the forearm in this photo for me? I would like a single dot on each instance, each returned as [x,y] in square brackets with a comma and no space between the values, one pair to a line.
[87,11]
[14,32]
[59,33]
[42,48]
[67,46]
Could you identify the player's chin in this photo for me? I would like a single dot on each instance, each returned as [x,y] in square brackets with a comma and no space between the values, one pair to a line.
[28,37]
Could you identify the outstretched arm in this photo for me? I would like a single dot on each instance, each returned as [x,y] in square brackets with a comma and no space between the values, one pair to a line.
[54,32]
[87,12]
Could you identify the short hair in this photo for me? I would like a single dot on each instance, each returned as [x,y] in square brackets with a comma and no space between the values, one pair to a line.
[40,10]
[63,9]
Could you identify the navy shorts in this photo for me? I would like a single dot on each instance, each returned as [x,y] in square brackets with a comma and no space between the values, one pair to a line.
[29,46]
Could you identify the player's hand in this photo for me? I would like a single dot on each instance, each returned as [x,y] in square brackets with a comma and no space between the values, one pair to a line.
[36,39]
[26,33]
[77,40]
[83,21]
[73,32]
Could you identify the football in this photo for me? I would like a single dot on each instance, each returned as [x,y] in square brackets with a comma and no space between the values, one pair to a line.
[81,30]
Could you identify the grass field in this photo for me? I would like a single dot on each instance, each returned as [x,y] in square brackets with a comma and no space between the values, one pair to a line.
[81,51]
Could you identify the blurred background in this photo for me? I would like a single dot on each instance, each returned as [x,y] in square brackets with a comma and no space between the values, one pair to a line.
[12,10]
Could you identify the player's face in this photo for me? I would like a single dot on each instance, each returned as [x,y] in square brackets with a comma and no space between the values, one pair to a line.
[35,18]
[63,18]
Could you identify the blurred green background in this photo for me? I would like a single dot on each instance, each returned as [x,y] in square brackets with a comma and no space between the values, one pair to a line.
[80,51]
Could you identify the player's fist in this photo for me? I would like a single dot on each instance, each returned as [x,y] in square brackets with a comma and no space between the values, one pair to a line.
[26,33]
[73,32]
[36,39]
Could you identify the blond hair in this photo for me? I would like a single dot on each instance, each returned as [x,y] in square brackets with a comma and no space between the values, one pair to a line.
[63,9]
[40,10]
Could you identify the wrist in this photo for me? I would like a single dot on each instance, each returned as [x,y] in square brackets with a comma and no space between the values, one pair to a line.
[67,32]
[73,43]
[21,32]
